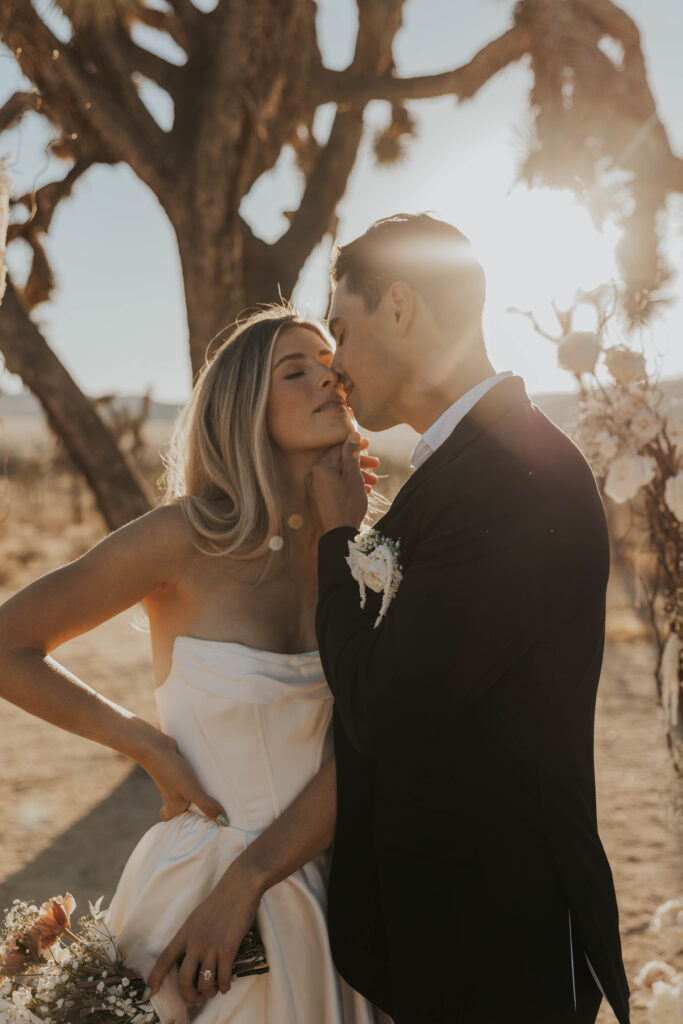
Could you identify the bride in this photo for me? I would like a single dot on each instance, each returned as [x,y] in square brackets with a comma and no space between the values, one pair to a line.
[226,569]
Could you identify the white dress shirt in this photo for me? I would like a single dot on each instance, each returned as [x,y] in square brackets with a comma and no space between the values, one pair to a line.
[435,436]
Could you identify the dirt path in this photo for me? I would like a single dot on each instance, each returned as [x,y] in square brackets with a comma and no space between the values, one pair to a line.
[72,811]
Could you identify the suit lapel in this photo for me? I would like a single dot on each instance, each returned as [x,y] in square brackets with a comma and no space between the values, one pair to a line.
[488,410]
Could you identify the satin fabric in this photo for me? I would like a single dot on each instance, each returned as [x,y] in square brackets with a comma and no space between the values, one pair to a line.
[255,727]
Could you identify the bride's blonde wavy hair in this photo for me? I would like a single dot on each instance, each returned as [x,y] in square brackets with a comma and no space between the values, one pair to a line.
[221,451]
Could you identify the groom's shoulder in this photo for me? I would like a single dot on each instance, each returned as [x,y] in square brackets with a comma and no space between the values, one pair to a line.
[524,459]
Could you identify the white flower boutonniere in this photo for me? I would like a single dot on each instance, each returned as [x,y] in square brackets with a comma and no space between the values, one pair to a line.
[374,562]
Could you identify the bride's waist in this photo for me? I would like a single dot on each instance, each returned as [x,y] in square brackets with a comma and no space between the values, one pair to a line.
[249,829]
[194,826]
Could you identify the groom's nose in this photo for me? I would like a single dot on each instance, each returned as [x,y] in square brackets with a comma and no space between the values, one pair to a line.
[336,367]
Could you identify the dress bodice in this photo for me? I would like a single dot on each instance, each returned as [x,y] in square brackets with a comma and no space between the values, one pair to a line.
[253,724]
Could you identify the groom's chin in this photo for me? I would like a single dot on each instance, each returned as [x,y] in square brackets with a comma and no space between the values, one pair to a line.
[373,421]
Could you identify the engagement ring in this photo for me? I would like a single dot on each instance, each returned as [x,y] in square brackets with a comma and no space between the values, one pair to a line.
[207,974]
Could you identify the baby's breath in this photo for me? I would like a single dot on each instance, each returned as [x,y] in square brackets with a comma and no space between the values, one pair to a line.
[80,975]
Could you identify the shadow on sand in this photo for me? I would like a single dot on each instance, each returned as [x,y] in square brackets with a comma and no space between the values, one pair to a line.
[88,858]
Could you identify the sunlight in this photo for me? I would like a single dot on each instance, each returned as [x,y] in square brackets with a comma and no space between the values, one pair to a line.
[539,246]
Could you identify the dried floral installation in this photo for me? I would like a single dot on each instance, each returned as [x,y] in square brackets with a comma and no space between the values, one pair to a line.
[633,438]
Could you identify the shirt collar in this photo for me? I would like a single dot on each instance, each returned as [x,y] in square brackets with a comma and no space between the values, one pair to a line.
[442,428]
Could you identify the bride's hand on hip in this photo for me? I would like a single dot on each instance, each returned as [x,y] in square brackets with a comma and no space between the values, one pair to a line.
[210,938]
[177,782]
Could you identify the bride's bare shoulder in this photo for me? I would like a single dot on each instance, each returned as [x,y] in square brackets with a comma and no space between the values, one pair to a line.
[164,530]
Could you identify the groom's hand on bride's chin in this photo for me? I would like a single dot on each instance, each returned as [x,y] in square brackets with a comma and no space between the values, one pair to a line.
[339,482]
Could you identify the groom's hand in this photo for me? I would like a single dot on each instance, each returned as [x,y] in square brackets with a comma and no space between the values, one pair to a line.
[339,483]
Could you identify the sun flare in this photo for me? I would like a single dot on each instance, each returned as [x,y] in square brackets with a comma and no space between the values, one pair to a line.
[540,246]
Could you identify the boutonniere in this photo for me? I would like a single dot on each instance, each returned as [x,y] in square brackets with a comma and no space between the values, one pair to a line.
[374,562]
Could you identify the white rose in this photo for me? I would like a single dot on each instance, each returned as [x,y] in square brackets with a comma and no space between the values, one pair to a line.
[579,352]
[668,921]
[625,408]
[666,1006]
[645,425]
[654,970]
[673,493]
[374,570]
[625,365]
[674,422]
[607,445]
[627,475]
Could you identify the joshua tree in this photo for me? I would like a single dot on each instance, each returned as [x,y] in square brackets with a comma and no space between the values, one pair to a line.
[250,83]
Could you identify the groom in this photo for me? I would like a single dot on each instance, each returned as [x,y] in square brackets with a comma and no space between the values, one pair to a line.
[468,882]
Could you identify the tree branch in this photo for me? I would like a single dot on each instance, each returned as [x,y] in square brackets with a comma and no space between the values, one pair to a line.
[89,102]
[42,203]
[325,188]
[463,82]
[120,492]
[188,15]
[16,106]
[166,75]
[615,22]
[325,185]
[110,55]
[170,23]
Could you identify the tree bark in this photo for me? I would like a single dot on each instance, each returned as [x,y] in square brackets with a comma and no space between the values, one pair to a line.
[212,278]
[120,492]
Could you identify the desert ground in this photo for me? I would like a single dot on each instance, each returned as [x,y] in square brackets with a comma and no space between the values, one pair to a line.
[72,810]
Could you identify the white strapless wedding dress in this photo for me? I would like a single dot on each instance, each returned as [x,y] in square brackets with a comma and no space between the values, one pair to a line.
[255,726]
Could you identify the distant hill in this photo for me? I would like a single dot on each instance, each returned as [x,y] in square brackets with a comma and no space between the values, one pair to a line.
[26,404]
[24,422]
[560,408]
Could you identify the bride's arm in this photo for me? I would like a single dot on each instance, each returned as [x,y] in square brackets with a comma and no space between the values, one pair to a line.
[211,935]
[115,574]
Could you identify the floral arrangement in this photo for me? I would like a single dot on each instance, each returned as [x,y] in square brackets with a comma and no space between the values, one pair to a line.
[45,978]
[659,985]
[374,562]
[633,438]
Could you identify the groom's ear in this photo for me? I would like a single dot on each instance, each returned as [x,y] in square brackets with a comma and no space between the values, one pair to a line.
[402,301]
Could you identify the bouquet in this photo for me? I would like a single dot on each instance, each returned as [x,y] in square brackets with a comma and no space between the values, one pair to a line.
[44,977]
[55,974]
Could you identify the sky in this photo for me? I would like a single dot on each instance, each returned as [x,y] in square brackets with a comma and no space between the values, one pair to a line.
[117,319]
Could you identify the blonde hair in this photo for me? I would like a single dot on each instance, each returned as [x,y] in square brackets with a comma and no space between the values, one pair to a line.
[221,451]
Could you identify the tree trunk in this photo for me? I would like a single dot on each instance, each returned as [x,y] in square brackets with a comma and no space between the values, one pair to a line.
[213,282]
[119,490]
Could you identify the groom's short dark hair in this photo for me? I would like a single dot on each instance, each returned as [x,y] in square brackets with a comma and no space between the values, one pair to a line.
[429,254]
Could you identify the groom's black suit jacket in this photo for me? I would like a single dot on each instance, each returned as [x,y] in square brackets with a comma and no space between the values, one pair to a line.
[467,840]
